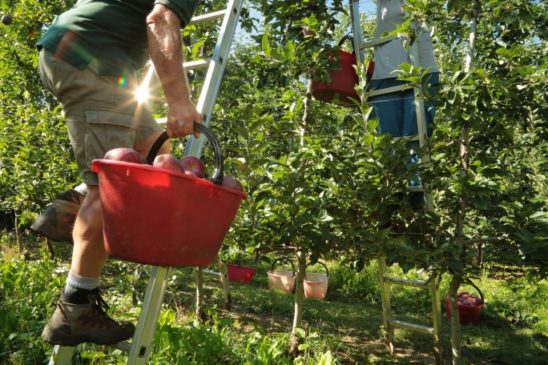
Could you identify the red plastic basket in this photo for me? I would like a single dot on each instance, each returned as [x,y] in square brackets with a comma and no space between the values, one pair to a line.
[469,310]
[158,217]
[340,89]
[240,274]
[343,78]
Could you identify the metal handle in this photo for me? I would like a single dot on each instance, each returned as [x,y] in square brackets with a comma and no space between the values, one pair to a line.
[469,282]
[324,266]
[217,176]
[283,259]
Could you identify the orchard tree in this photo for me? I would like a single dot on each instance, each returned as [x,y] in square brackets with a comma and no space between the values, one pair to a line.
[35,155]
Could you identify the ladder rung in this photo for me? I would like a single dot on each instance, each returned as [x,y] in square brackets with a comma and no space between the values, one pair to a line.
[211,272]
[406,282]
[411,326]
[196,65]
[415,189]
[124,346]
[378,41]
[209,16]
[408,138]
[388,90]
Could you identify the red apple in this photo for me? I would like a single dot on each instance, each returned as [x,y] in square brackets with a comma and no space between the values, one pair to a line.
[167,161]
[124,154]
[193,166]
[6,19]
[232,183]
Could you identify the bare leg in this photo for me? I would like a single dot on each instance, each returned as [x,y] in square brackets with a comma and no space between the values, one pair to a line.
[89,255]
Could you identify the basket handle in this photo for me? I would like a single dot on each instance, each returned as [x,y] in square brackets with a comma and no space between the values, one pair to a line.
[469,281]
[324,266]
[347,37]
[285,259]
[217,176]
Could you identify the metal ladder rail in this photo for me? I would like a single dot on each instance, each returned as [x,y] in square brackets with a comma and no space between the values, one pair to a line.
[432,283]
[141,344]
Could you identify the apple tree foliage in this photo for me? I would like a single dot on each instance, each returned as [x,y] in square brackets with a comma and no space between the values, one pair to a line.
[35,155]
[342,191]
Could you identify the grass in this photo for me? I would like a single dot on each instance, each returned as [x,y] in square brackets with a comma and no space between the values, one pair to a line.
[346,326]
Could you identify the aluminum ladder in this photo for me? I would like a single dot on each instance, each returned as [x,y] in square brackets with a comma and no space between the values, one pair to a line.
[386,281]
[140,347]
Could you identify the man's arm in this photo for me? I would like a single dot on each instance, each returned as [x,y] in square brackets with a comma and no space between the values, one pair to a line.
[166,51]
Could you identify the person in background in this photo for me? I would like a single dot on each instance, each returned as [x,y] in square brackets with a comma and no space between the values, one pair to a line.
[396,111]
[88,59]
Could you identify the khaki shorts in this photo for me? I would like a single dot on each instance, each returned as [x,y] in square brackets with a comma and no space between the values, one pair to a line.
[101,113]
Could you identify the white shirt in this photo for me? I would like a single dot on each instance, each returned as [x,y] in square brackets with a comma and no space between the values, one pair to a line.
[389,56]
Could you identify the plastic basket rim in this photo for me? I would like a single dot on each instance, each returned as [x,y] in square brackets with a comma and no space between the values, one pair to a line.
[145,167]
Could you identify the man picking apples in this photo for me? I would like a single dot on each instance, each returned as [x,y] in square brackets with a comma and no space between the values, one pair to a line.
[88,59]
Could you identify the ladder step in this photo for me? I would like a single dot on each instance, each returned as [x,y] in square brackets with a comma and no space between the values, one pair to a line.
[408,138]
[196,65]
[388,90]
[411,326]
[209,16]
[378,41]
[406,282]
[214,273]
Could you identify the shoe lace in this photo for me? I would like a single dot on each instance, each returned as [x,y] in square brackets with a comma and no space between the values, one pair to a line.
[99,304]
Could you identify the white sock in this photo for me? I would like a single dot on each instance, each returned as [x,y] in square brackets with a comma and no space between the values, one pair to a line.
[81,282]
[82,189]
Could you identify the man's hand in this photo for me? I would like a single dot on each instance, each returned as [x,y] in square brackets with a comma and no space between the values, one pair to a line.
[166,51]
[181,119]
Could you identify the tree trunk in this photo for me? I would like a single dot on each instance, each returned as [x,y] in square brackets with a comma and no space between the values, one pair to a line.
[299,298]
[459,234]
[200,313]
[454,286]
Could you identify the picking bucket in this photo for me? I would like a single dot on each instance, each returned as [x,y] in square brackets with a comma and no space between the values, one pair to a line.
[340,89]
[343,78]
[469,306]
[281,279]
[315,284]
[158,217]
[240,274]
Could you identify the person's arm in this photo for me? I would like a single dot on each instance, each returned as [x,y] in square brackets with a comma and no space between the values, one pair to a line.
[166,51]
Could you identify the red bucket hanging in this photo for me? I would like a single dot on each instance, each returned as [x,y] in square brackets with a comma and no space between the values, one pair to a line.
[343,78]
[340,89]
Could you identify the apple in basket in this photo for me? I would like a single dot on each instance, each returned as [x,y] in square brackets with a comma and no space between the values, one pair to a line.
[193,166]
[232,183]
[124,154]
[167,161]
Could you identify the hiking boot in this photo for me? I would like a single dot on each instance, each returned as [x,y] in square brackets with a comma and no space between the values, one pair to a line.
[57,221]
[72,324]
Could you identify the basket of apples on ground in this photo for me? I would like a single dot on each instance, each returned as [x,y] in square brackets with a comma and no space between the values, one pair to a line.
[469,305]
[165,212]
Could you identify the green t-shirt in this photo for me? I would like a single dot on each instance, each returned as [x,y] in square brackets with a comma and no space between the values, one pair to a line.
[107,35]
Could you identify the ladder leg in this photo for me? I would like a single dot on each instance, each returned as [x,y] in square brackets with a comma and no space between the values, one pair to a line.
[436,318]
[144,333]
[199,274]
[385,299]
[226,285]
[61,355]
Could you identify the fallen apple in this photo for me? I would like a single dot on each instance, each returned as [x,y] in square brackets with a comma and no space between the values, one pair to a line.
[124,154]
[232,183]
[193,166]
[6,19]
[167,161]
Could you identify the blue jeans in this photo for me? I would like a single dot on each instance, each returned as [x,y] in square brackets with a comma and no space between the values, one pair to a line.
[397,116]
[396,111]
